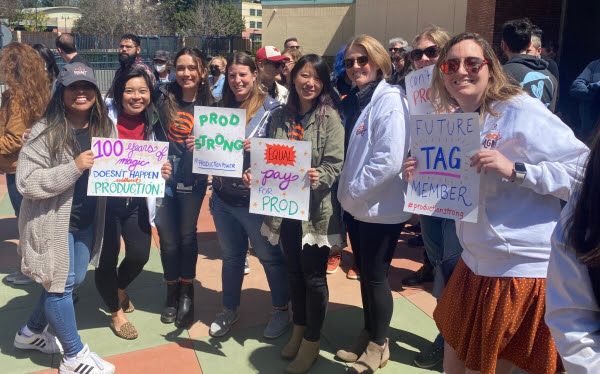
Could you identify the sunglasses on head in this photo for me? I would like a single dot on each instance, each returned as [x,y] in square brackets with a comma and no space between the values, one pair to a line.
[361,61]
[431,52]
[471,64]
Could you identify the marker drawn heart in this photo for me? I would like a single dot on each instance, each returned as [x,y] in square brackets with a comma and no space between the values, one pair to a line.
[538,90]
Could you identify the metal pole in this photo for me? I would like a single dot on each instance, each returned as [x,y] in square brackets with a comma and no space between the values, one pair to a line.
[36,17]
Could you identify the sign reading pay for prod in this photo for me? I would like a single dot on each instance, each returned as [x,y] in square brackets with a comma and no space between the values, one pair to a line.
[218,147]
[280,185]
[444,184]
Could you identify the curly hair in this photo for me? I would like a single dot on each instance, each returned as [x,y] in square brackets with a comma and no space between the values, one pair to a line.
[23,71]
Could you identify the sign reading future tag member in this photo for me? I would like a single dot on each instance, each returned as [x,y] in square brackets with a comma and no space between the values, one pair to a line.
[418,91]
[218,148]
[444,184]
[127,168]
[280,185]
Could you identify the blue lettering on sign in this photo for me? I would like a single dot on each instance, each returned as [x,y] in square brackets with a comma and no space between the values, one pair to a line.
[441,191]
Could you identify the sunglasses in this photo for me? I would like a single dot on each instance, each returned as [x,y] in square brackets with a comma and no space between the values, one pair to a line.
[471,64]
[431,52]
[294,46]
[394,50]
[361,61]
[276,64]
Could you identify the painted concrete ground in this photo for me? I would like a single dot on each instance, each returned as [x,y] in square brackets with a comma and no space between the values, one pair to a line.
[165,349]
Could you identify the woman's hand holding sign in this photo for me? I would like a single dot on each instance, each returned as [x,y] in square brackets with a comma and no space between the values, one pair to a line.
[165,170]
[486,159]
[313,176]
[189,142]
[247,178]
[84,161]
[409,167]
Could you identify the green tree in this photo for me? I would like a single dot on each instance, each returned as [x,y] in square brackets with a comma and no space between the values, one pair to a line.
[228,21]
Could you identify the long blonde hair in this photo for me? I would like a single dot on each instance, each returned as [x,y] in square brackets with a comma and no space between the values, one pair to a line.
[375,51]
[499,88]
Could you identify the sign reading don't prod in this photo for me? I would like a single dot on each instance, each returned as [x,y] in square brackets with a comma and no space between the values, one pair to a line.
[280,185]
[444,183]
[218,147]
[127,168]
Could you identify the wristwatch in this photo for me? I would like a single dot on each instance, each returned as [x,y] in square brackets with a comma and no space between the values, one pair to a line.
[519,172]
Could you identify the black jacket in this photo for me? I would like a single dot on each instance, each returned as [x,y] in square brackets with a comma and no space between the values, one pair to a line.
[532,74]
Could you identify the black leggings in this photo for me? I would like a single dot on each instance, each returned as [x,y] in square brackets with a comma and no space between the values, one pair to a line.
[307,272]
[127,217]
[373,245]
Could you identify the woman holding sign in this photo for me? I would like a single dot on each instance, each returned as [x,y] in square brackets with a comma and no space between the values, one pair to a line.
[310,115]
[229,205]
[491,313]
[61,228]
[177,213]
[131,111]
[372,192]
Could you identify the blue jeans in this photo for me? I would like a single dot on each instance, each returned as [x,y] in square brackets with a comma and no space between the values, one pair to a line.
[13,193]
[443,250]
[57,308]
[234,226]
[176,220]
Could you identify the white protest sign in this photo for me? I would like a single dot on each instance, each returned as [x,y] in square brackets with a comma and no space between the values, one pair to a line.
[218,148]
[444,184]
[127,168]
[418,91]
[280,185]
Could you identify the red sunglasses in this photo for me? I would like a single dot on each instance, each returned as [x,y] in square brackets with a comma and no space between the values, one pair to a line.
[471,64]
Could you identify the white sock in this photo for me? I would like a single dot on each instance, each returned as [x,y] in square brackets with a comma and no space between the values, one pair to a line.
[26,332]
[69,359]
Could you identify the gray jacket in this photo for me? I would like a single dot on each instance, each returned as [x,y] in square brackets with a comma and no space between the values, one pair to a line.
[47,187]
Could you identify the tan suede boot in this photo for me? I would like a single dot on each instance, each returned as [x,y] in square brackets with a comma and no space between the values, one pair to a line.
[306,357]
[291,348]
[374,357]
[356,349]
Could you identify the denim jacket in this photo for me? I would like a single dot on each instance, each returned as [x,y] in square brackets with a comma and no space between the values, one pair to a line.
[324,225]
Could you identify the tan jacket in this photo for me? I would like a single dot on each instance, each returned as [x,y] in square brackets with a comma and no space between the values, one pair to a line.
[12,128]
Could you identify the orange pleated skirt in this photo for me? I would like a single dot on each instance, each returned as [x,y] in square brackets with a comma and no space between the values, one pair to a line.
[490,318]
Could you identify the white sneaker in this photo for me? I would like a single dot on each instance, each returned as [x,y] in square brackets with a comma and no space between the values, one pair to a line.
[246,267]
[11,277]
[43,342]
[86,362]
[22,279]
[223,323]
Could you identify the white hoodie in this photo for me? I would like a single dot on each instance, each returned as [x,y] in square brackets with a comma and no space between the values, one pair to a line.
[371,188]
[512,236]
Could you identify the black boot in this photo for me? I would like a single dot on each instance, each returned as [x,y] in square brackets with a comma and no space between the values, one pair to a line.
[185,312]
[170,311]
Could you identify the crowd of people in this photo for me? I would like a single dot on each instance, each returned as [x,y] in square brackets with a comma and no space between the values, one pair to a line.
[519,288]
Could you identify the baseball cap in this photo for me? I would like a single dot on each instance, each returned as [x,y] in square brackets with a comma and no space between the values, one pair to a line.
[162,55]
[76,72]
[269,53]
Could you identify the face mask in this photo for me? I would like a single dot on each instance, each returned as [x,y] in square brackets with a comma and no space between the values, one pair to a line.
[160,68]
[214,71]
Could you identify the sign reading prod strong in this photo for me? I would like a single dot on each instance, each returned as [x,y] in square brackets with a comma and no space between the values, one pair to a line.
[218,147]
[127,168]
[280,185]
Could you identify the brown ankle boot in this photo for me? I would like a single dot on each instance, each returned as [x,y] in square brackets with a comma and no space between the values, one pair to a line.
[374,357]
[356,349]
[291,348]
[306,357]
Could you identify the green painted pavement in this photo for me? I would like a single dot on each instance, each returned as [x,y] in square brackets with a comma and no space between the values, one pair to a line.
[146,293]
[246,350]
[6,208]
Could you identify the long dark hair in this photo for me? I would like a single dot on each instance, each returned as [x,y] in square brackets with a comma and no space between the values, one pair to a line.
[584,224]
[119,89]
[174,91]
[255,99]
[48,57]
[60,136]
[327,98]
